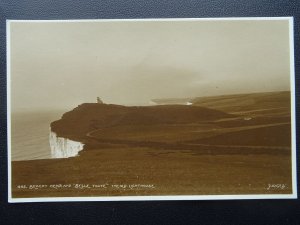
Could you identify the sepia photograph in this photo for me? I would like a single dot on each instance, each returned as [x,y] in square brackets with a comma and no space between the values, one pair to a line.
[151,109]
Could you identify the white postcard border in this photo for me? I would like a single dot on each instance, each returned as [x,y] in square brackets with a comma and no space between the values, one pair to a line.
[161,197]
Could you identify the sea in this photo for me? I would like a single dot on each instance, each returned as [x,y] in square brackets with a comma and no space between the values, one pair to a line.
[30,134]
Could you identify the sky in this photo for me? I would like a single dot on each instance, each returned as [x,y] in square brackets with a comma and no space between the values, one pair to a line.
[59,65]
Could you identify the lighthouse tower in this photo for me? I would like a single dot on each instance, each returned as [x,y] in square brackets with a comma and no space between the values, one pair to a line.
[99,101]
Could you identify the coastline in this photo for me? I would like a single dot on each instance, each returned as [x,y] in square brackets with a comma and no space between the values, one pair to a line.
[166,150]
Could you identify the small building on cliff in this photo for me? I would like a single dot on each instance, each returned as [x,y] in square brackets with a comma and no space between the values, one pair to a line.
[99,101]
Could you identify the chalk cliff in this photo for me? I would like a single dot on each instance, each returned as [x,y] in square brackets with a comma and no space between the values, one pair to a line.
[69,134]
[63,147]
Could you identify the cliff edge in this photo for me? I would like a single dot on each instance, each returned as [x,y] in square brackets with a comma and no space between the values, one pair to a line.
[69,134]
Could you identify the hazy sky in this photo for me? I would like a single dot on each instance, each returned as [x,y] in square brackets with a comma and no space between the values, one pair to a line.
[63,64]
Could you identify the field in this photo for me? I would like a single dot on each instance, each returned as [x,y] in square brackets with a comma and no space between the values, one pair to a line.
[232,144]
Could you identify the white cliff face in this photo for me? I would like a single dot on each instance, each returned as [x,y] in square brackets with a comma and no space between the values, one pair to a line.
[63,147]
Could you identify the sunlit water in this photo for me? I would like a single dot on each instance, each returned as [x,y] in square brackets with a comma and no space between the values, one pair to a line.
[30,135]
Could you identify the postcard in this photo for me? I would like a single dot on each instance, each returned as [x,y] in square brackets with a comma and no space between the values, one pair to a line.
[151,109]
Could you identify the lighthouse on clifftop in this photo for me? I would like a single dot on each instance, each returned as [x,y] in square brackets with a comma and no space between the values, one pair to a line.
[99,101]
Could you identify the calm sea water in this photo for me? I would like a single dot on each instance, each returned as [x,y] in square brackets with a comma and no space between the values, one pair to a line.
[30,135]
